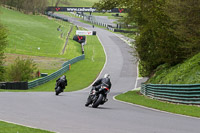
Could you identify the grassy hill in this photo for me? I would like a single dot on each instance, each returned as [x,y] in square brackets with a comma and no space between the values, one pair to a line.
[34,35]
[184,73]
[74,3]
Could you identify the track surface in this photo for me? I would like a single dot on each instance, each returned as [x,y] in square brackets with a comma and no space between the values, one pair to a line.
[67,114]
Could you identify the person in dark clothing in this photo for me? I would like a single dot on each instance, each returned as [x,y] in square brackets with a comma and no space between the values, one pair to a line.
[103,81]
[62,81]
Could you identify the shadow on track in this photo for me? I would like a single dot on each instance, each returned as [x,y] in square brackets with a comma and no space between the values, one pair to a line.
[99,107]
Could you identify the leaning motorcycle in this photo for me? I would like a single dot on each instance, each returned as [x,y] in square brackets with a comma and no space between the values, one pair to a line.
[97,98]
[59,87]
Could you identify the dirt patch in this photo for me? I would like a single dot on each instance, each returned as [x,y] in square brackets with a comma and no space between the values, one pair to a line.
[42,62]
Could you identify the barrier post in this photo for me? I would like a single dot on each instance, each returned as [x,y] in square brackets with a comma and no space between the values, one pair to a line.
[69,66]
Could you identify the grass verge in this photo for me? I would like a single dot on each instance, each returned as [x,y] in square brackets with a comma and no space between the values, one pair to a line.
[136,98]
[13,128]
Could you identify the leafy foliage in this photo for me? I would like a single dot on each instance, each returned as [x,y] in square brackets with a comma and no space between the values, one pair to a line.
[34,6]
[157,43]
[3,43]
[168,30]
[186,15]
[22,70]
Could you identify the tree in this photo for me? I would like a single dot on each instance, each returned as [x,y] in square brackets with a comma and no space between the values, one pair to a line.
[168,29]
[3,43]
[28,6]
[186,14]
[21,70]
[157,43]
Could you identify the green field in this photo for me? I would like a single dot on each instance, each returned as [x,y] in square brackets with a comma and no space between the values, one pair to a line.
[37,37]
[13,128]
[27,33]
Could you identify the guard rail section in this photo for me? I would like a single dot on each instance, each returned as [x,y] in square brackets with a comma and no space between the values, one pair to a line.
[176,93]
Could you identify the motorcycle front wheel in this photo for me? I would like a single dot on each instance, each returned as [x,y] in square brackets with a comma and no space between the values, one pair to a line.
[89,101]
[98,101]
[58,90]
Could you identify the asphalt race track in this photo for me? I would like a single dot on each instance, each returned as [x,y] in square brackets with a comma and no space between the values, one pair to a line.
[67,114]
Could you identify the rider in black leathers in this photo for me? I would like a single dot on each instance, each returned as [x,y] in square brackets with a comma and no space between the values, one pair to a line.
[97,85]
[103,81]
[63,82]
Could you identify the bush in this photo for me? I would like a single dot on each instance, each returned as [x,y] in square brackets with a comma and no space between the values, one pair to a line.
[3,43]
[21,70]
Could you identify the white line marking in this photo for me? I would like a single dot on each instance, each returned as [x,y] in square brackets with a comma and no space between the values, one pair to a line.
[136,81]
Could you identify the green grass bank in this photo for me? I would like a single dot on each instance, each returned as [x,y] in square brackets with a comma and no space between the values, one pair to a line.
[187,72]
[13,128]
[136,98]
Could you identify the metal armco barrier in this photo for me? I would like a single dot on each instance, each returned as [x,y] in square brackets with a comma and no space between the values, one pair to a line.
[14,85]
[65,67]
[177,93]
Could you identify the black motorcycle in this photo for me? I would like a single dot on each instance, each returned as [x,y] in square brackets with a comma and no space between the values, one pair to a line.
[60,86]
[97,98]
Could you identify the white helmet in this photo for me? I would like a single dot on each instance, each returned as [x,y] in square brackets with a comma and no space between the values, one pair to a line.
[106,76]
